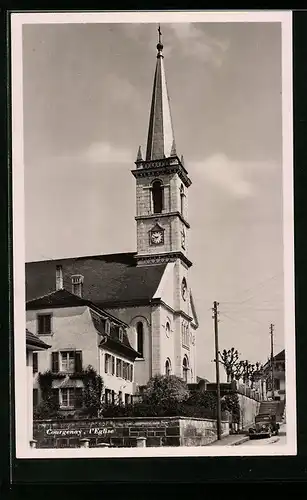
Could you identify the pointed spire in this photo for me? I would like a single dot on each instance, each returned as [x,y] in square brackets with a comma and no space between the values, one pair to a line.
[182,160]
[160,132]
[139,155]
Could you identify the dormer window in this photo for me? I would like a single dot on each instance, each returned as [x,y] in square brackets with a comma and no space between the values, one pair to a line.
[121,334]
[107,326]
[77,284]
[157,197]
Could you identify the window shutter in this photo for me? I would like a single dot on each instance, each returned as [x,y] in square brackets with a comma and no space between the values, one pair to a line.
[35,398]
[35,362]
[78,361]
[78,397]
[106,363]
[54,362]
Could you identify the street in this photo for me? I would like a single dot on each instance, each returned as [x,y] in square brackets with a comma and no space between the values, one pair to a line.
[277,440]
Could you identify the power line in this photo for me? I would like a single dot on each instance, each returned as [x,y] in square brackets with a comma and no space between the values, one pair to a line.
[260,284]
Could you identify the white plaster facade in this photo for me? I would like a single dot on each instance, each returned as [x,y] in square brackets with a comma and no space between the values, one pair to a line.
[72,330]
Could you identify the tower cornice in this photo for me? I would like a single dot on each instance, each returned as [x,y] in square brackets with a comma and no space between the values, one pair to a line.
[163,258]
[162,215]
[147,168]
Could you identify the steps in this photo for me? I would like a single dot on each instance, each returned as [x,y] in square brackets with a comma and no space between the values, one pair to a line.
[273,407]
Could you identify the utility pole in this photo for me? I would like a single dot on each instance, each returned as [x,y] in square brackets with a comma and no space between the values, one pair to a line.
[217,367]
[272,357]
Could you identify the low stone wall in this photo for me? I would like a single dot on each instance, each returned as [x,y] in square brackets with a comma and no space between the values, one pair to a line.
[249,408]
[199,432]
[123,432]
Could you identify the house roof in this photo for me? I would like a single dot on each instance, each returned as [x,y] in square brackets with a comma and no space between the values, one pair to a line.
[280,356]
[33,341]
[109,280]
[64,298]
[111,340]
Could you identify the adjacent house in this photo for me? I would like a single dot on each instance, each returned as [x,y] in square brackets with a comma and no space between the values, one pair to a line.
[279,374]
[34,345]
[81,335]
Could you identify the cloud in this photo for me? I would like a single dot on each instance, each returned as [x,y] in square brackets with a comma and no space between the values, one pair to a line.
[195,42]
[225,174]
[121,90]
[104,152]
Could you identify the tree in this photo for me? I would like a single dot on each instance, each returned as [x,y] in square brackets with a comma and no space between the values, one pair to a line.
[164,390]
[257,373]
[229,360]
[92,392]
[49,405]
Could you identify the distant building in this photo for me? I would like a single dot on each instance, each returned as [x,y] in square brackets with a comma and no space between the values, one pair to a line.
[279,373]
[81,334]
[148,289]
[33,345]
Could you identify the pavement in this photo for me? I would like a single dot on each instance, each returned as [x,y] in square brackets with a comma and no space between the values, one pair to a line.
[280,439]
[243,439]
[231,440]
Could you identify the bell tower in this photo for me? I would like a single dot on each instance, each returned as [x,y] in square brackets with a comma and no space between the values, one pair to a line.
[162,184]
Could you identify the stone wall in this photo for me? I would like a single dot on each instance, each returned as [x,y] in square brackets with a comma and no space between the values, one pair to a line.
[249,408]
[123,432]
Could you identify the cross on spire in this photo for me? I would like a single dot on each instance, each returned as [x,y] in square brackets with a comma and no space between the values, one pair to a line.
[160,34]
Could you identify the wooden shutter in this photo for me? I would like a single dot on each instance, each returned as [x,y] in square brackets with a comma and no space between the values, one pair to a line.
[54,362]
[78,397]
[35,398]
[35,362]
[78,361]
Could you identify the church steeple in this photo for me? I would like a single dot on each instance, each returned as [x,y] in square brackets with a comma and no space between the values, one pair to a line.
[162,184]
[160,141]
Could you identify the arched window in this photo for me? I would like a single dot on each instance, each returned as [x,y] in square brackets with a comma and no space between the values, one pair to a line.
[185,368]
[167,329]
[140,338]
[181,199]
[157,197]
[168,367]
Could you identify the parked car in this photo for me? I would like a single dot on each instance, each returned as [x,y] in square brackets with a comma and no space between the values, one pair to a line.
[265,426]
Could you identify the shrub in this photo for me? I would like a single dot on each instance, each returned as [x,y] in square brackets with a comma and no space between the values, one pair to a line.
[165,391]
[91,400]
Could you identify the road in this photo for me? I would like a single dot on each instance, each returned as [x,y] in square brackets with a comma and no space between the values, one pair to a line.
[274,440]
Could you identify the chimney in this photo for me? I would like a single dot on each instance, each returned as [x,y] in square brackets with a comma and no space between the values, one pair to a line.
[59,278]
[77,284]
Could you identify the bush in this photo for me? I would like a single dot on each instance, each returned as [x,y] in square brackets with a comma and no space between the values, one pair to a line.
[46,409]
[165,391]
[91,400]
[230,403]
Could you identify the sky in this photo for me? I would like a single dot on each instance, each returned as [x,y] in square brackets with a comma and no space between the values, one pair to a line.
[87,92]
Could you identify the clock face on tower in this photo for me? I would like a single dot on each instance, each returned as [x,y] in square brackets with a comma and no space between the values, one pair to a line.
[156,237]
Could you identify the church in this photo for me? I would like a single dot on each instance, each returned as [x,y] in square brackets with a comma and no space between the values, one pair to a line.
[149,290]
